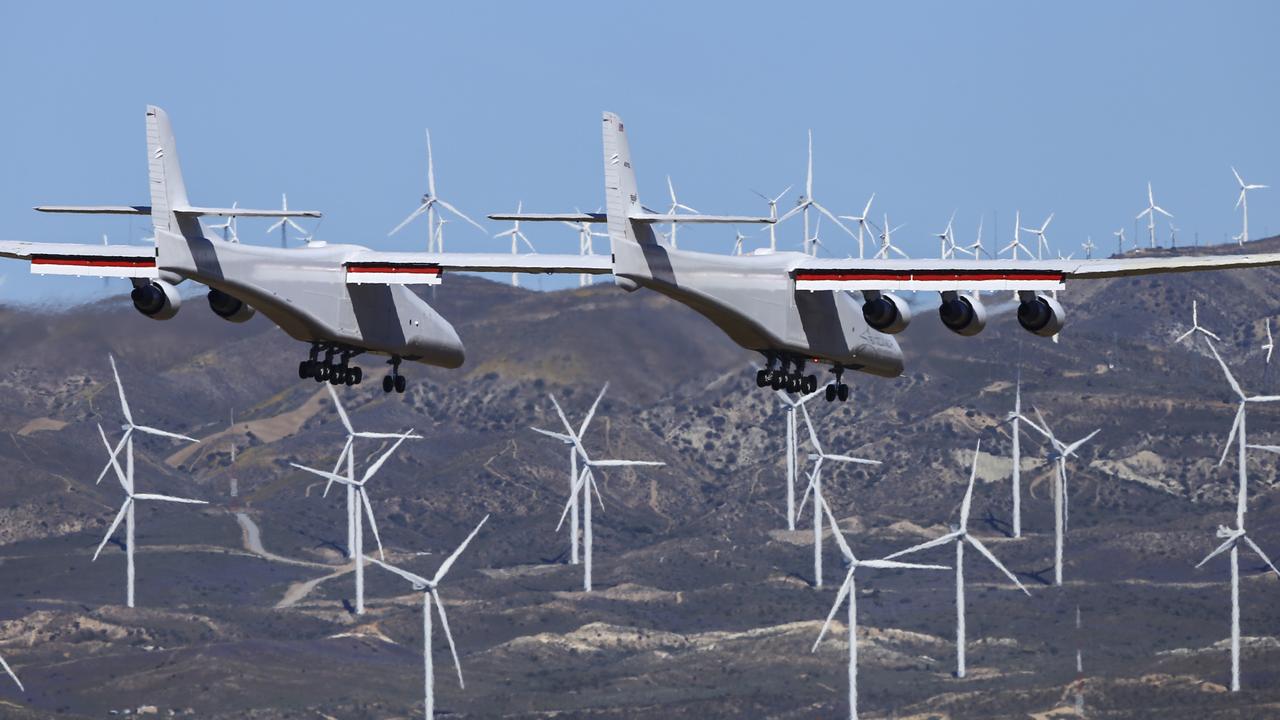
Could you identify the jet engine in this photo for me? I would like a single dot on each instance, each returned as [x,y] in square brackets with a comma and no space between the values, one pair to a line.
[157,299]
[886,312]
[1041,315]
[962,314]
[229,307]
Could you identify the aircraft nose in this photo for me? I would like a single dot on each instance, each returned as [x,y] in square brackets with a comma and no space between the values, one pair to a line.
[439,342]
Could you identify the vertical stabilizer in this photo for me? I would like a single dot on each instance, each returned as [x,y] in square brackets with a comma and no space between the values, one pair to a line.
[622,201]
[165,176]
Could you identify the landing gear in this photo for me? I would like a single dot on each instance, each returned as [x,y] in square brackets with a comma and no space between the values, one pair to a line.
[335,368]
[837,389]
[781,378]
[394,381]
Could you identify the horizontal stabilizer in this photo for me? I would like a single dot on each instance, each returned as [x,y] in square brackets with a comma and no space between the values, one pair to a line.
[719,219]
[552,217]
[96,209]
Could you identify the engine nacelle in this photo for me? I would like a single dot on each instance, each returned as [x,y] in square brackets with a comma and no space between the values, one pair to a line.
[962,314]
[1042,315]
[886,312]
[157,300]
[229,307]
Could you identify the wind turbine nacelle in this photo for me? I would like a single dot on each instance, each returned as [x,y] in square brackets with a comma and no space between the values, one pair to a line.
[887,313]
[963,314]
[157,299]
[1042,316]
[229,307]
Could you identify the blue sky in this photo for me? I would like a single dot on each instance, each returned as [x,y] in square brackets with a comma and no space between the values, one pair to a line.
[981,107]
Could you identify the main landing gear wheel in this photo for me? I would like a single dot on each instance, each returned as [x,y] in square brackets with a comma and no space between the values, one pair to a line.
[810,384]
[762,378]
[842,392]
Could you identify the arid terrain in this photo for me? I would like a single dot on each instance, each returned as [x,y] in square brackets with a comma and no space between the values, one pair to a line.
[704,606]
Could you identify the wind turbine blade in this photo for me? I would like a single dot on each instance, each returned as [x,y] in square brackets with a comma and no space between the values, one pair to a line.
[363,498]
[942,540]
[850,459]
[1226,371]
[412,216]
[833,219]
[577,487]
[444,623]
[968,493]
[327,475]
[1238,178]
[114,524]
[163,433]
[977,544]
[1268,448]
[1071,449]
[1235,425]
[896,565]
[582,430]
[835,607]
[577,443]
[407,435]
[622,463]
[382,459]
[448,563]
[813,436]
[168,498]
[460,214]
[276,226]
[338,465]
[9,670]
[559,436]
[342,412]
[1249,541]
[1226,545]
[124,403]
[113,462]
[417,580]
[835,529]
[431,167]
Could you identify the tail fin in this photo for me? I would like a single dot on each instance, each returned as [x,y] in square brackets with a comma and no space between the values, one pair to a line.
[168,191]
[622,198]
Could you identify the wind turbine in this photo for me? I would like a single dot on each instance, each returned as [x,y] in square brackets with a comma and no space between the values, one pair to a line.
[1016,433]
[1119,241]
[737,241]
[1150,213]
[126,478]
[773,214]
[1242,203]
[585,482]
[864,221]
[1195,325]
[1042,243]
[1062,451]
[430,594]
[284,223]
[848,589]
[428,205]
[1270,344]
[676,206]
[574,532]
[976,250]
[947,239]
[517,237]
[362,498]
[1088,246]
[886,241]
[808,200]
[1017,238]
[585,237]
[1231,541]
[820,456]
[792,449]
[228,227]
[960,535]
[1238,433]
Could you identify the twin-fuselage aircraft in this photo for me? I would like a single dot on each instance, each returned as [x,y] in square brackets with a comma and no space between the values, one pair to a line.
[797,311]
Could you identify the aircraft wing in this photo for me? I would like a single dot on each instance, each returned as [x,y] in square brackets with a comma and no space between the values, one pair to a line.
[973,275]
[408,268]
[93,260]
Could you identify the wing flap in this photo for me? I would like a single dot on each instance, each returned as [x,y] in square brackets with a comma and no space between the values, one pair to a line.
[127,261]
[427,268]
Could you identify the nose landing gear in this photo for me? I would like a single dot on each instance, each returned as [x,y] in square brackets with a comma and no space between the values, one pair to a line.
[837,389]
[394,380]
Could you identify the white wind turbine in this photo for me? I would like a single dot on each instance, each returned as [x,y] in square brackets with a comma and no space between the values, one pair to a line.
[574,531]
[1062,452]
[1150,213]
[362,498]
[126,479]
[1195,325]
[947,239]
[430,594]
[960,535]
[1238,433]
[808,200]
[585,482]
[773,214]
[517,237]
[676,207]
[1042,242]
[1017,238]
[848,589]
[1231,541]
[864,222]
[886,241]
[228,227]
[738,239]
[1270,344]
[819,456]
[1015,433]
[284,223]
[1088,247]
[976,250]
[793,445]
[585,237]
[1119,241]
[428,206]
[1242,203]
